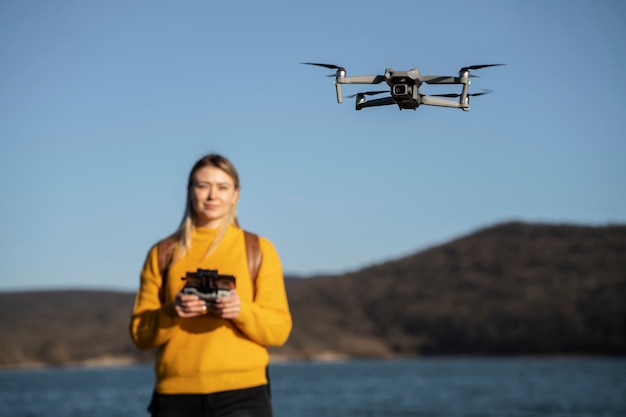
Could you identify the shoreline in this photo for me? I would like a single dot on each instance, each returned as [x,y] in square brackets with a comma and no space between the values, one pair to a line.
[121,361]
[112,361]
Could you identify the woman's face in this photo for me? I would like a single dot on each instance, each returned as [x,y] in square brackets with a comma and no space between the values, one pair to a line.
[212,195]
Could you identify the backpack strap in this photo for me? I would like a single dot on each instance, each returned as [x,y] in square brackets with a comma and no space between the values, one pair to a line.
[165,252]
[253,253]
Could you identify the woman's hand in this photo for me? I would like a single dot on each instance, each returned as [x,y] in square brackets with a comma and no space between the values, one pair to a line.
[188,305]
[226,307]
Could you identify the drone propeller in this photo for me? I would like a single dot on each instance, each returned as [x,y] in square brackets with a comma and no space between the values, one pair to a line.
[368,93]
[341,73]
[331,66]
[459,95]
[475,67]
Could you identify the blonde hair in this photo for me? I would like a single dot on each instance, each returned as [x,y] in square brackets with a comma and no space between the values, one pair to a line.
[188,224]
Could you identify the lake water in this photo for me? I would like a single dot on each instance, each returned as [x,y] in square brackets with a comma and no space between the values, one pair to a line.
[423,387]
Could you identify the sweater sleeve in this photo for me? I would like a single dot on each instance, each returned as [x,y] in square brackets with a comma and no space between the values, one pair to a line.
[267,319]
[152,322]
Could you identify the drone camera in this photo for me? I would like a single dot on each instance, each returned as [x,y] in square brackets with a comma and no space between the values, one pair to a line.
[401,91]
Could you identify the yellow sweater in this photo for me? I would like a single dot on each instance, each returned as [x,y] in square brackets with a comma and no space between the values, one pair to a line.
[206,354]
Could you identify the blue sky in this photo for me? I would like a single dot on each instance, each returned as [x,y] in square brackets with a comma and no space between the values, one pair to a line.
[104,107]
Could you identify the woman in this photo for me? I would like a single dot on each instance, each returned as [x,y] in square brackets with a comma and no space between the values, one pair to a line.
[212,356]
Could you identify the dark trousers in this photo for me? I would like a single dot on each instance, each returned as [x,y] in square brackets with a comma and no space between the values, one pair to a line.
[249,402]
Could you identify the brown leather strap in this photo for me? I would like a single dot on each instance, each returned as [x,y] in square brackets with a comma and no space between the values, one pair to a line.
[165,252]
[253,252]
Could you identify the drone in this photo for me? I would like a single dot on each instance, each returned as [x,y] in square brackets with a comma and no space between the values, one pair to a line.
[404,87]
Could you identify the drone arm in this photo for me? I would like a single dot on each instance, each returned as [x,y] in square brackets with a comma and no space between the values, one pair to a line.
[442,102]
[438,79]
[386,101]
[361,79]
[339,95]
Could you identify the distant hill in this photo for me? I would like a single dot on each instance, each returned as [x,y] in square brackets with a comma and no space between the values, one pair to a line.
[511,289]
